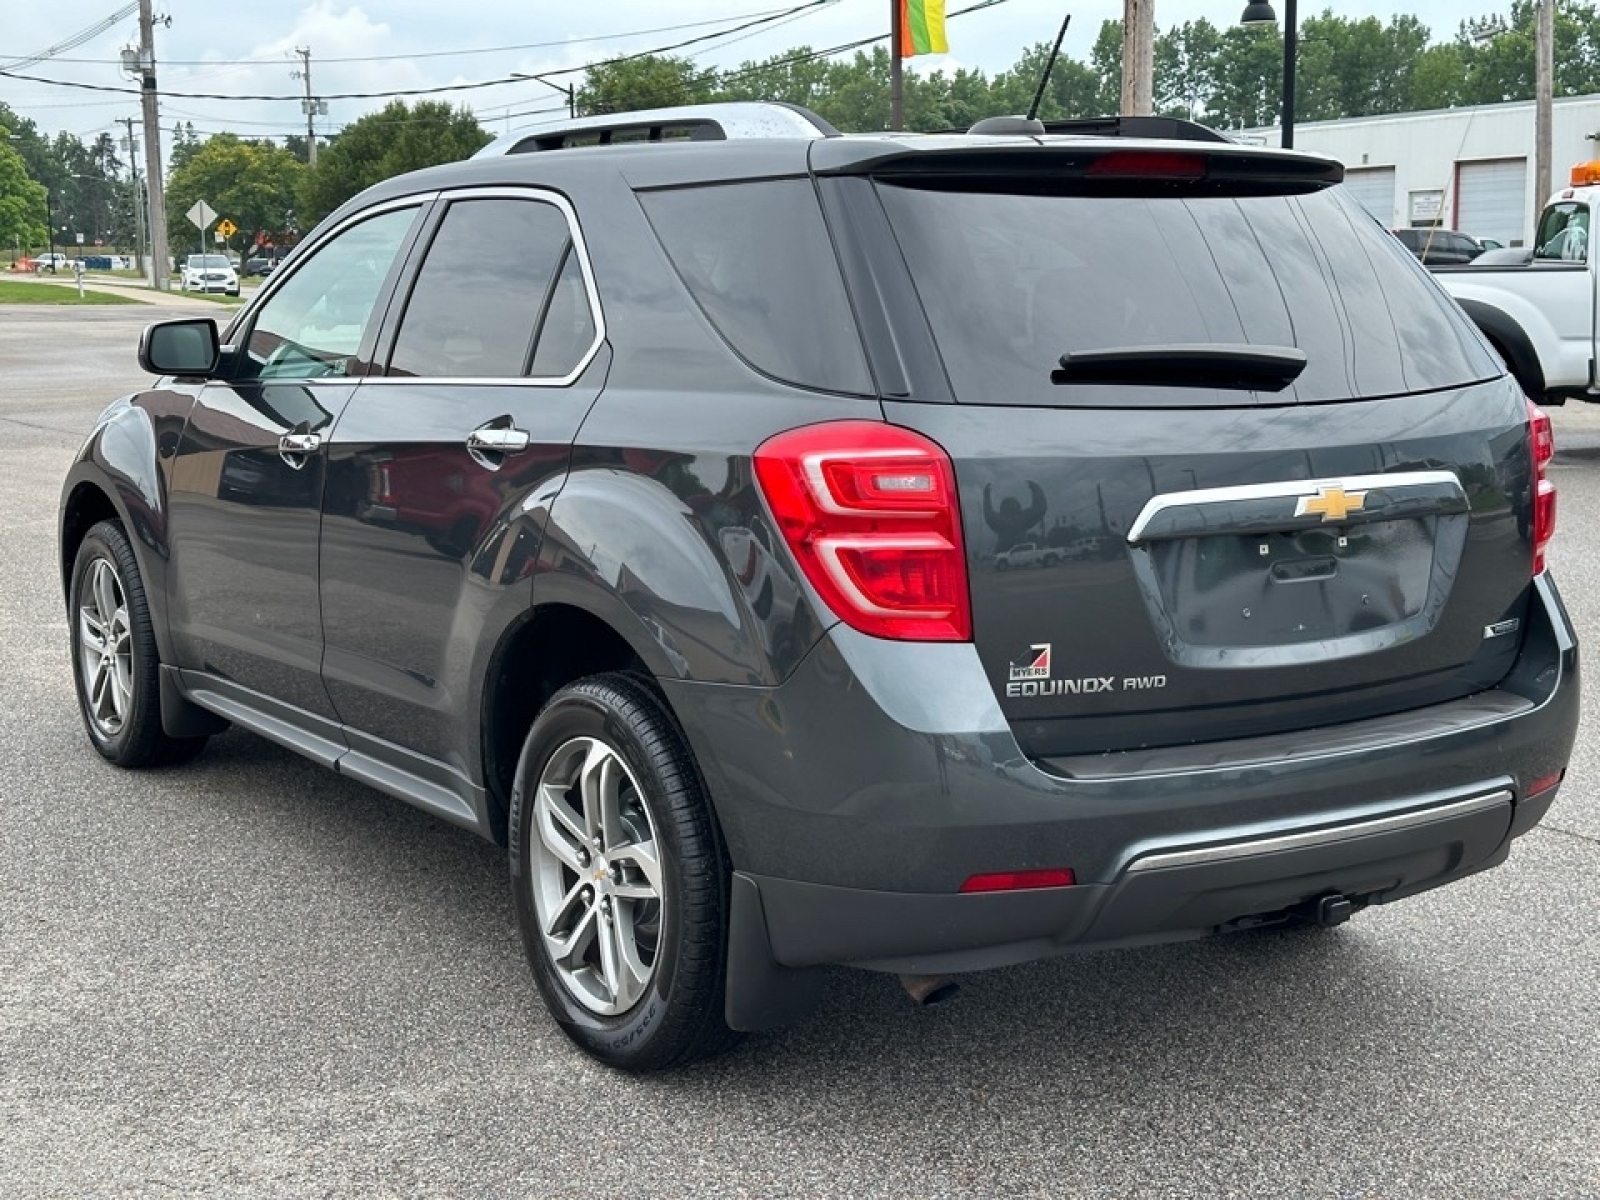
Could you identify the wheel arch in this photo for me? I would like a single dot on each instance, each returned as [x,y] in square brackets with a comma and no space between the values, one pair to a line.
[550,646]
[1511,342]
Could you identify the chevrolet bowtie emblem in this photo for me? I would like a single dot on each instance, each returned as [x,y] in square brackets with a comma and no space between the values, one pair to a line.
[1330,503]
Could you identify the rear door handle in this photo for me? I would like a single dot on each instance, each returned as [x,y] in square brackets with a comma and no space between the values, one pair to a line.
[499,441]
[293,447]
[489,444]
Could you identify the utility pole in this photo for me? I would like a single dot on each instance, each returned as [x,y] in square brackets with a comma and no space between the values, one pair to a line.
[1138,57]
[896,76]
[312,108]
[131,144]
[155,187]
[1544,55]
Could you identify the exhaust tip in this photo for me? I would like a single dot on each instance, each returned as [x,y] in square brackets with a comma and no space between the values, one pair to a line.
[929,989]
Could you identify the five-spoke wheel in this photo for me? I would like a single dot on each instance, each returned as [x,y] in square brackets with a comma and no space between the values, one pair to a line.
[619,877]
[118,676]
[105,649]
[597,884]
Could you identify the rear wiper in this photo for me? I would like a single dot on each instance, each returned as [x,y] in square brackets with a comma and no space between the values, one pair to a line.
[1203,364]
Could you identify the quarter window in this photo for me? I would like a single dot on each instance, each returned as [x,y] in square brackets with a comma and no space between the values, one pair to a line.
[757,259]
[494,268]
[567,331]
[314,323]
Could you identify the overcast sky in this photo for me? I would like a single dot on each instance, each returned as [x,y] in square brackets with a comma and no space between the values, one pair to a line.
[246,48]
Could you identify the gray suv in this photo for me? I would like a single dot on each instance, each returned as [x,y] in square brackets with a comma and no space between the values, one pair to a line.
[650,495]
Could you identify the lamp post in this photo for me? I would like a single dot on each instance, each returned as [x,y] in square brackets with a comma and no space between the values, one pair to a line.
[1259,12]
[567,90]
[50,230]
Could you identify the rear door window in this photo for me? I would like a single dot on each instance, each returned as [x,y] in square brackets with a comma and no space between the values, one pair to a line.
[1010,282]
[488,278]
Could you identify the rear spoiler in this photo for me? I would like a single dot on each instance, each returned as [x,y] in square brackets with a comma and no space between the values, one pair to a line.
[1078,164]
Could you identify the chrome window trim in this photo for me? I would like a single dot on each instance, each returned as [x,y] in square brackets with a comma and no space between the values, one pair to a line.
[536,195]
[1289,489]
[1228,851]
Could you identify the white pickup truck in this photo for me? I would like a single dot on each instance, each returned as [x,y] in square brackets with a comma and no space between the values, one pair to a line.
[1540,312]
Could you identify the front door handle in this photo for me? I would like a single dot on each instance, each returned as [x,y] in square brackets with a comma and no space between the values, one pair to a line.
[490,443]
[293,447]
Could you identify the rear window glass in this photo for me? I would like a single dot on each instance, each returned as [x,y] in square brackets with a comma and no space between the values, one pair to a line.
[1011,282]
[757,259]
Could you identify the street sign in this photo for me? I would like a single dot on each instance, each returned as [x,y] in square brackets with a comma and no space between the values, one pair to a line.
[216,236]
[201,215]
[80,239]
[226,228]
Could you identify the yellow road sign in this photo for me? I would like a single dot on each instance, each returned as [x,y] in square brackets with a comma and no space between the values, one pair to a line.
[227,228]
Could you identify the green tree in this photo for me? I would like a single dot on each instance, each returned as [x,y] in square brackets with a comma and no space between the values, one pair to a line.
[1185,68]
[1074,90]
[185,143]
[1248,78]
[1438,78]
[22,203]
[395,139]
[1350,68]
[252,184]
[650,81]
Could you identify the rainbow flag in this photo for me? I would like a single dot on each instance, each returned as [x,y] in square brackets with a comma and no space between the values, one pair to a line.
[922,28]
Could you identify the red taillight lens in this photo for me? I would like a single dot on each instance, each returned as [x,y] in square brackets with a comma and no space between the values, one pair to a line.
[1019,881]
[871,514]
[1543,440]
[1148,164]
[1543,784]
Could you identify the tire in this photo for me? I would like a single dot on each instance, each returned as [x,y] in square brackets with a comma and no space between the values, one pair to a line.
[115,666]
[658,1002]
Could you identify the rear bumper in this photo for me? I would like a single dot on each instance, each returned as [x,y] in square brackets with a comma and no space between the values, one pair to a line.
[859,795]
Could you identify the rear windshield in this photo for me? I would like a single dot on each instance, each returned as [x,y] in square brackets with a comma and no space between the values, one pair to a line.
[1011,282]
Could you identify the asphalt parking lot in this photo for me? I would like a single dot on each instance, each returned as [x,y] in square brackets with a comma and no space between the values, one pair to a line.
[250,977]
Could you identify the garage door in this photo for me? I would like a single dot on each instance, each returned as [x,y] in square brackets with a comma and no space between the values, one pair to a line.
[1492,200]
[1374,187]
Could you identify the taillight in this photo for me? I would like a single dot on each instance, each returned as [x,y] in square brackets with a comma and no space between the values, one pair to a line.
[1149,164]
[1543,440]
[871,514]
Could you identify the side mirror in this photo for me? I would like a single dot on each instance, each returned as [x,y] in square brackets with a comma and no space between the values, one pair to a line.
[186,347]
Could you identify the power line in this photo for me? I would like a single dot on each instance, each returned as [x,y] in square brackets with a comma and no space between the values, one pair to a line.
[719,78]
[366,58]
[77,39]
[430,91]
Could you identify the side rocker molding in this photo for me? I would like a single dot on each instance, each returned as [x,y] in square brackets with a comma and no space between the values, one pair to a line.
[762,994]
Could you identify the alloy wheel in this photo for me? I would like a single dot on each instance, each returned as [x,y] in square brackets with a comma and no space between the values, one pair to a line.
[105,649]
[597,885]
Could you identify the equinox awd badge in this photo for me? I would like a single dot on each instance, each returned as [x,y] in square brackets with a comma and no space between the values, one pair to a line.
[1028,676]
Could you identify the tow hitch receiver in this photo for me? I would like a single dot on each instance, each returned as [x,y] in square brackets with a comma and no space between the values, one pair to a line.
[1331,910]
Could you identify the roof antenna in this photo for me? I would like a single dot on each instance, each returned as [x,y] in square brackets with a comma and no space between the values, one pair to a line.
[1049,65]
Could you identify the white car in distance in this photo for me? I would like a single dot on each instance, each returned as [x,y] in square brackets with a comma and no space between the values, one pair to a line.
[210,273]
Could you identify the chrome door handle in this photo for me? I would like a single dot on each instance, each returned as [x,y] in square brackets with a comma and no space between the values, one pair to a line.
[499,441]
[293,447]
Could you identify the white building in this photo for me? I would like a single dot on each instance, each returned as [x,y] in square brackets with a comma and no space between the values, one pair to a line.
[1469,168]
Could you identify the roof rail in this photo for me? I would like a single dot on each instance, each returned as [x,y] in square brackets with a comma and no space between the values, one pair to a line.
[689,122]
[1162,128]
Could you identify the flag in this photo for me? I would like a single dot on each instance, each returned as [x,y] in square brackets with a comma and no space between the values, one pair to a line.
[922,28]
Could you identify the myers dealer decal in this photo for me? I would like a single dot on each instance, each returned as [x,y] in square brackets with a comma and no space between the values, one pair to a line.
[1029,675]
